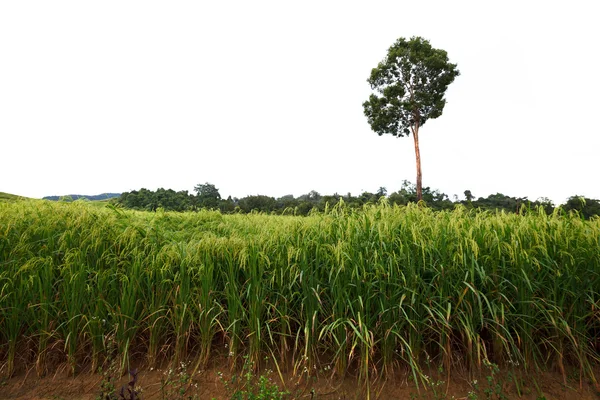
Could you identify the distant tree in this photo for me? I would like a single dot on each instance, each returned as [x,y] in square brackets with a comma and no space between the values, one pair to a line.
[257,203]
[468,196]
[146,200]
[328,201]
[208,195]
[545,203]
[167,199]
[411,82]
[500,201]
[313,195]
[381,192]
[405,195]
[287,202]
[228,205]
[432,198]
[368,197]
[398,198]
[586,207]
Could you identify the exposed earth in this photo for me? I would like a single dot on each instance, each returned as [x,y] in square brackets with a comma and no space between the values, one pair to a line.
[212,384]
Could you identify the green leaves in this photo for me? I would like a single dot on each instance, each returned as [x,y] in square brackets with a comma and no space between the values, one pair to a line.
[410,84]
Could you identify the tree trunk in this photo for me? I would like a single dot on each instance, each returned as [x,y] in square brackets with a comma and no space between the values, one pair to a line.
[415,132]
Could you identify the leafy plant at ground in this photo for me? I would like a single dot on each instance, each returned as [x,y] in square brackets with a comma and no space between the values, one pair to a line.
[107,386]
[131,391]
[128,392]
[247,386]
[110,372]
[494,388]
[176,384]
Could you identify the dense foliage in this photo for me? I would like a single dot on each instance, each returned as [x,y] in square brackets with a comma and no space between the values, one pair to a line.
[208,196]
[367,290]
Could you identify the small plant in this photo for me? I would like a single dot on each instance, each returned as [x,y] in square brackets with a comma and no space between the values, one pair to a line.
[109,374]
[176,384]
[130,392]
[127,392]
[107,385]
[438,390]
[436,386]
[494,389]
[472,395]
[246,386]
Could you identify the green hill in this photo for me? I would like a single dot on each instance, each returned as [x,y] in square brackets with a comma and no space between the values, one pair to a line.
[10,197]
[97,197]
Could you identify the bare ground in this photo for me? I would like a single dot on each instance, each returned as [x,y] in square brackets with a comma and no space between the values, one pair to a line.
[210,384]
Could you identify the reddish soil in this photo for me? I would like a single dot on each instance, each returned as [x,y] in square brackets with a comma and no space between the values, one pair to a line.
[207,384]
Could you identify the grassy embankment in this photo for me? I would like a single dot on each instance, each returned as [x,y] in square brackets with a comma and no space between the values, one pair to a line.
[369,291]
[10,197]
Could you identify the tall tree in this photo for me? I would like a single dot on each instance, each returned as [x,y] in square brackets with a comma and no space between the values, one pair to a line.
[469,196]
[208,195]
[410,84]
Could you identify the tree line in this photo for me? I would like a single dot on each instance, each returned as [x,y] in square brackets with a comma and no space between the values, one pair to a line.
[207,196]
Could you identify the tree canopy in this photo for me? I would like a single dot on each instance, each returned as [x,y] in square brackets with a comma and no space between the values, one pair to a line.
[208,195]
[169,200]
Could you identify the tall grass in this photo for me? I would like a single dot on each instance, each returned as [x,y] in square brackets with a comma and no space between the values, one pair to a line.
[373,291]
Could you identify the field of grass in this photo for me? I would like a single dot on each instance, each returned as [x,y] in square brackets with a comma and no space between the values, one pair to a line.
[367,292]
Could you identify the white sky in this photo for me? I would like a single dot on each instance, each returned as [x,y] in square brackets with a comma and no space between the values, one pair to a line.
[265,97]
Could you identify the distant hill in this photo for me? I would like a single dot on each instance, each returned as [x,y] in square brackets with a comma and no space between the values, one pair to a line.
[10,197]
[97,197]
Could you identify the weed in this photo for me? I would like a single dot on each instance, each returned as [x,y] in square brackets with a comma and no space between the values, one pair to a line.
[107,385]
[247,386]
[176,384]
[494,384]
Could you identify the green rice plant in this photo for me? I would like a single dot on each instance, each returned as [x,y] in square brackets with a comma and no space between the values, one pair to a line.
[207,309]
[280,317]
[73,302]
[336,332]
[310,262]
[42,313]
[96,322]
[232,299]
[181,300]
[127,312]
[158,285]
[14,293]
[256,293]
[369,292]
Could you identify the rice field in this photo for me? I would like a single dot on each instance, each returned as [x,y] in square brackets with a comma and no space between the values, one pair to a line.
[368,292]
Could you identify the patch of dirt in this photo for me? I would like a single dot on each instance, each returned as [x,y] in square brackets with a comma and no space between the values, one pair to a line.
[210,384]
